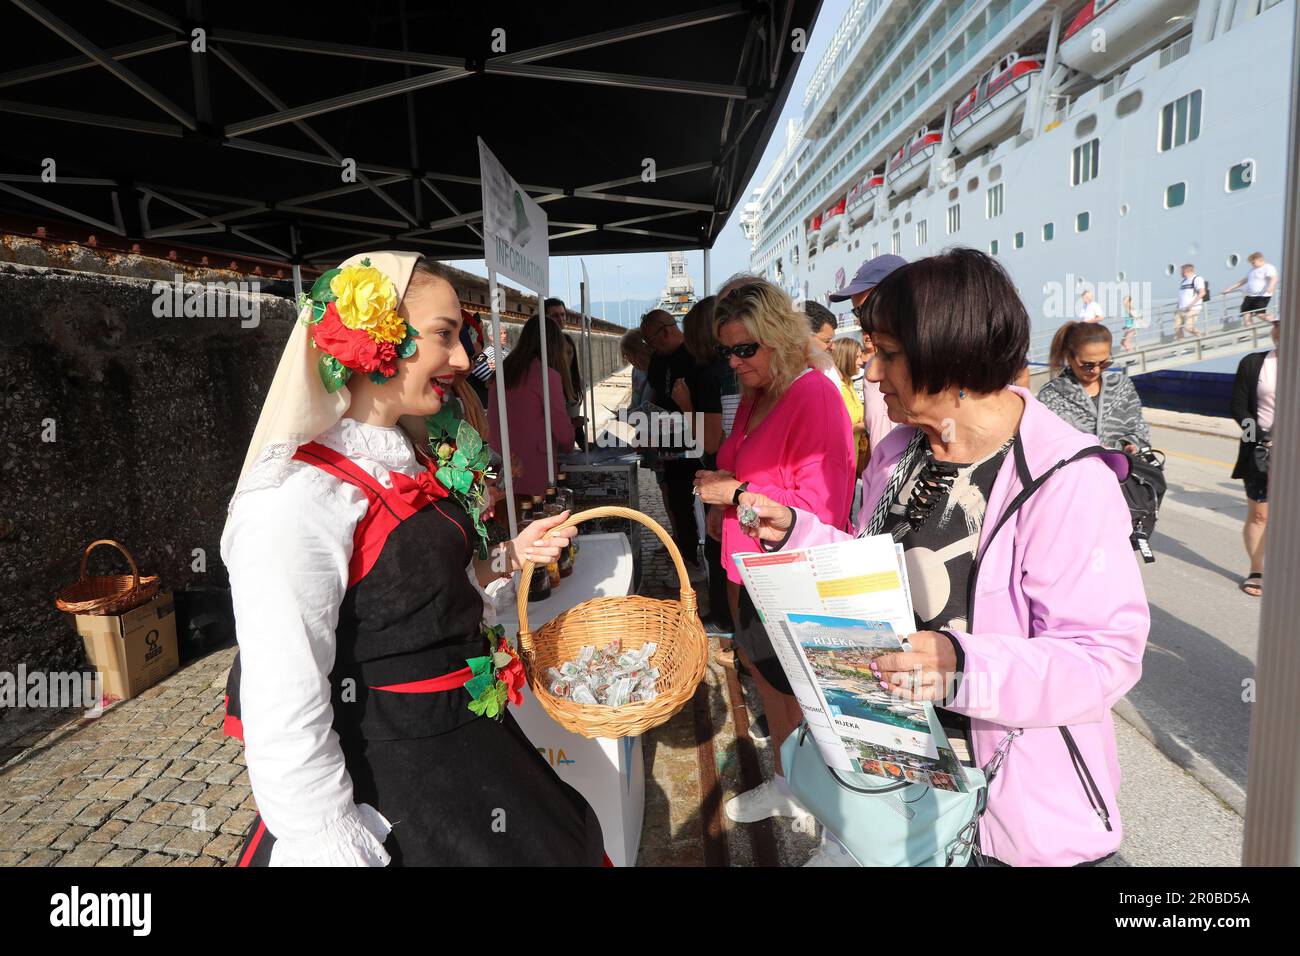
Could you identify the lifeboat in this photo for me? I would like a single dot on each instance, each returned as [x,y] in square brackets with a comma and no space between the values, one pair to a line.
[832,218]
[995,106]
[862,200]
[907,167]
[1129,29]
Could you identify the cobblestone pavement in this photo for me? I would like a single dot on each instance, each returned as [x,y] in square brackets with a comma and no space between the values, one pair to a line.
[153,781]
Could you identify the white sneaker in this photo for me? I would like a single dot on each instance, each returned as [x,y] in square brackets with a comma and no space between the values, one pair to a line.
[768,799]
[831,853]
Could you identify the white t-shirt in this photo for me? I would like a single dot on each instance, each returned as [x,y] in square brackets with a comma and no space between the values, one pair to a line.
[1265,391]
[1091,312]
[1189,291]
[1257,279]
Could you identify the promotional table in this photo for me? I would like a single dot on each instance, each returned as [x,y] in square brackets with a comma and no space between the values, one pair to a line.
[609,773]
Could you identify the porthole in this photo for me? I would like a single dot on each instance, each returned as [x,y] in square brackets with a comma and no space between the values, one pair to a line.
[1169,269]
[1123,209]
[972,184]
[1129,103]
[1233,260]
[1086,126]
[907,217]
[995,173]
[1119,276]
[953,194]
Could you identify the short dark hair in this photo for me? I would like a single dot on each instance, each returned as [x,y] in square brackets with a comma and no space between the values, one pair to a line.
[550,302]
[958,318]
[818,316]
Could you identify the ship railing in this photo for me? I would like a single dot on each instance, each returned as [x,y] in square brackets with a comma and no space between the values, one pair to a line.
[1220,326]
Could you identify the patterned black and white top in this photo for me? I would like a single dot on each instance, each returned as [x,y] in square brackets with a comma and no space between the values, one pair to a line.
[1114,415]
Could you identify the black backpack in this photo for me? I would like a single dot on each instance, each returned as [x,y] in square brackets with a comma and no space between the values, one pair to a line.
[1144,489]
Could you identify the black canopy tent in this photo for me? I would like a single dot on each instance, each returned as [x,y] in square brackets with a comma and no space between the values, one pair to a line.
[307,132]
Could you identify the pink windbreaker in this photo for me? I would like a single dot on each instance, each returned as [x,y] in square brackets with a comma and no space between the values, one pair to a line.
[1060,622]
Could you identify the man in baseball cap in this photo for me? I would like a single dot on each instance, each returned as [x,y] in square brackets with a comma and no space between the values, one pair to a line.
[871,274]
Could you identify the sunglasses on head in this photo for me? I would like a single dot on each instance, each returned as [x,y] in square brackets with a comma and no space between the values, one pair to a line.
[744,350]
[1094,366]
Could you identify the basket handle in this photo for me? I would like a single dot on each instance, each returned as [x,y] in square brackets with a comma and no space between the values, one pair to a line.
[607,511]
[135,571]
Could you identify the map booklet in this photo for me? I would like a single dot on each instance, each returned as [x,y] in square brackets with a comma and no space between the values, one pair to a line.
[829,611]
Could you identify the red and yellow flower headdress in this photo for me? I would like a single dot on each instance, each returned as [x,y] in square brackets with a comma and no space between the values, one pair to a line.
[355,324]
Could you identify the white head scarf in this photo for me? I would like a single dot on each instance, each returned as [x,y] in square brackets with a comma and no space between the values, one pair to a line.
[297,406]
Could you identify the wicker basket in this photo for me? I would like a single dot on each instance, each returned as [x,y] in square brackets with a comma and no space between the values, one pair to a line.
[634,620]
[107,594]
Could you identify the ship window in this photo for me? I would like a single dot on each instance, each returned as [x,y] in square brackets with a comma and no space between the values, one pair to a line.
[1129,103]
[1049,230]
[1084,162]
[1175,195]
[1123,209]
[1169,269]
[922,232]
[896,243]
[993,247]
[1180,121]
[993,202]
[1232,260]
[972,184]
[875,249]
[794,255]
[1019,241]
[953,193]
[995,173]
[1085,126]
[954,218]
[1082,222]
[1241,175]
[895,223]
[907,217]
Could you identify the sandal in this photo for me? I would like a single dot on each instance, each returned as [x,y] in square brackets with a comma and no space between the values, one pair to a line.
[1254,584]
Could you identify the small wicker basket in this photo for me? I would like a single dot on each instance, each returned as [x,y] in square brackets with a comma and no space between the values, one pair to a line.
[107,594]
[634,620]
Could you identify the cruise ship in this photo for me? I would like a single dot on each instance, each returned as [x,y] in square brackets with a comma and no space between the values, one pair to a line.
[679,294]
[1097,145]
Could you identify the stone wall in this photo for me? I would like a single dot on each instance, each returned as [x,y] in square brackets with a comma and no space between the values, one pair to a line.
[121,424]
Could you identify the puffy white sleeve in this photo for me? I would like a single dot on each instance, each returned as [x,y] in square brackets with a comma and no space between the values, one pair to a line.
[287,549]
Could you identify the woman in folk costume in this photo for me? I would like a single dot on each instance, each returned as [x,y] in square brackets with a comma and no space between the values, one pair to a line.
[370,697]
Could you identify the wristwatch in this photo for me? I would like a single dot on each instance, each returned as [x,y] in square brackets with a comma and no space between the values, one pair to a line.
[740,489]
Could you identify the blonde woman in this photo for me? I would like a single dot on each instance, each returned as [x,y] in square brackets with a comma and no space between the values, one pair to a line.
[849,358]
[793,442]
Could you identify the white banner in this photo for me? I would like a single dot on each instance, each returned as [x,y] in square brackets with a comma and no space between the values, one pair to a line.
[515,239]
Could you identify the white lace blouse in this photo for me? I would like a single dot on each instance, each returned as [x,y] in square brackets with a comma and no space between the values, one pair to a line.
[287,545]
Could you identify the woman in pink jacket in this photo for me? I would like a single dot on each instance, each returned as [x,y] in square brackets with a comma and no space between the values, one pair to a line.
[792,441]
[524,396]
[1031,614]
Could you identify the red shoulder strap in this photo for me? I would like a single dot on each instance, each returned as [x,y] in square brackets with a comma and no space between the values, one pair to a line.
[385,512]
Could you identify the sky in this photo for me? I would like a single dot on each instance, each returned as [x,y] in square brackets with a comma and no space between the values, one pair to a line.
[642,276]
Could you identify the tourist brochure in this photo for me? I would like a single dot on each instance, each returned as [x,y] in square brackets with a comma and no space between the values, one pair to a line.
[829,611]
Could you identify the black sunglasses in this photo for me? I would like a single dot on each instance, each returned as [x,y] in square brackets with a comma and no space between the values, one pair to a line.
[744,350]
[1091,366]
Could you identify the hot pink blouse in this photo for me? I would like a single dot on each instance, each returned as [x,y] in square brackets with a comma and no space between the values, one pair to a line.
[528,427]
[800,455]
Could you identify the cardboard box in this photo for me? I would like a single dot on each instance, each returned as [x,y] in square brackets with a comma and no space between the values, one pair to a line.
[132,651]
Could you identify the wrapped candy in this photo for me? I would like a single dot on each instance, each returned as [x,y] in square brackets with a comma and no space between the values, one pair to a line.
[607,675]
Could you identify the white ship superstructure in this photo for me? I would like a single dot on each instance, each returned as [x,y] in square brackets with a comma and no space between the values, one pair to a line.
[1099,144]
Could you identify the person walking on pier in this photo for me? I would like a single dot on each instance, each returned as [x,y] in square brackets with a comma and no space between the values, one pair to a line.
[1253,393]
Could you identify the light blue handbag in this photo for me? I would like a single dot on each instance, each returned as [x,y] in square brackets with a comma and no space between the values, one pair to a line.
[889,824]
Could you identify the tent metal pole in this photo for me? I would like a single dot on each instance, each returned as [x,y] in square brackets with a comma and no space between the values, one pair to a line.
[707,281]
[1273,784]
[546,387]
[502,422]
[591,382]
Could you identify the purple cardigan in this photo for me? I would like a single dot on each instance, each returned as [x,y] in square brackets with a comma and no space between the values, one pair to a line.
[1060,623]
